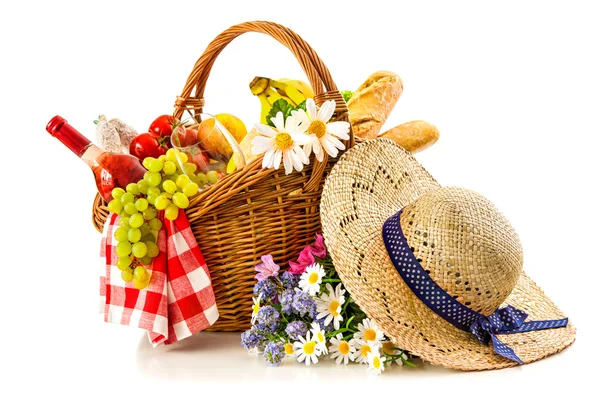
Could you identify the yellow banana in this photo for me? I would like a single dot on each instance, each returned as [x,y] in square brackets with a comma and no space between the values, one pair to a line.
[267,99]
[265,107]
[303,87]
[270,90]
[288,90]
[273,95]
[259,85]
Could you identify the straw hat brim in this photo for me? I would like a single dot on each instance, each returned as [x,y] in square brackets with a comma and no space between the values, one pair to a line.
[370,183]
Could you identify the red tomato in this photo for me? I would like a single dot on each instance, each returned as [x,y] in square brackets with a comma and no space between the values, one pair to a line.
[163,126]
[147,145]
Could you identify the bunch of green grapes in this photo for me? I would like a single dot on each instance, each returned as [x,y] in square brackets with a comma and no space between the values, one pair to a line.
[165,187]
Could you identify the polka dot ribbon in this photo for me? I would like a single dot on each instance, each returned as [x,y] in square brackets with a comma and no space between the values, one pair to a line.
[503,321]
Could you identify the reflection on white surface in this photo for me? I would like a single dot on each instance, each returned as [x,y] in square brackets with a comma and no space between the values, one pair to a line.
[210,356]
[214,358]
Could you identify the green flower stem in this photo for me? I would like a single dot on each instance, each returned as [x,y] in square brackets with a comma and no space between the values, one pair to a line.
[349,321]
[334,333]
[349,336]
[390,358]
[346,305]
[332,280]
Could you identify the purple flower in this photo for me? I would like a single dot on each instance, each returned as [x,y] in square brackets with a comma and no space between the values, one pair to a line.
[267,319]
[251,338]
[266,268]
[286,298]
[313,314]
[289,280]
[321,323]
[274,353]
[267,287]
[303,303]
[307,256]
[296,329]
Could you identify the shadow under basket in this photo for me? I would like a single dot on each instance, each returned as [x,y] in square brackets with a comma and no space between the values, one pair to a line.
[253,211]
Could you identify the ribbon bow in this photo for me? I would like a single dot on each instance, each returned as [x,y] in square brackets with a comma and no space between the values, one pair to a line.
[503,321]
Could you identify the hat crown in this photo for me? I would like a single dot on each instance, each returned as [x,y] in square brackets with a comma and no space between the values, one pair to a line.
[466,246]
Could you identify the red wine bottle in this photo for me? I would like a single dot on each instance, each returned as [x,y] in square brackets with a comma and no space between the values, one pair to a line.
[111,170]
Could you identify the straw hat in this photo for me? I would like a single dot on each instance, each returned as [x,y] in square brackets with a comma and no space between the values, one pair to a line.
[434,279]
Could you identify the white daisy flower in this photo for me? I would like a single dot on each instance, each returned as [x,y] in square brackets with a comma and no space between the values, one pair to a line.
[306,350]
[376,362]
[255,307]
[318,335]
[363,348]
[310,280]
[367,330]
[389,347]
[341,350]
[324,135]
[283,142]
[288,348]
[329,306]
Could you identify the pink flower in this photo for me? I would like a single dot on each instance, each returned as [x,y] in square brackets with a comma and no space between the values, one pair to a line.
[266,268]
[319,249]
[304,260]
[307,256]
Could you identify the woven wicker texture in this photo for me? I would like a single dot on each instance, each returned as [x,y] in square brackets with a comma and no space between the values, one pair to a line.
[253,211]
[466,244]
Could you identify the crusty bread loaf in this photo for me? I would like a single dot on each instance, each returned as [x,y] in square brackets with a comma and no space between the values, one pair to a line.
[373,102]
[414,136]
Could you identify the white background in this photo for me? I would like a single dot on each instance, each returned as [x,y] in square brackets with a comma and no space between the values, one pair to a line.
[513,87]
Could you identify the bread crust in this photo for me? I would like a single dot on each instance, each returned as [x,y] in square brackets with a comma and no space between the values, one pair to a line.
[372,103]
[414,136]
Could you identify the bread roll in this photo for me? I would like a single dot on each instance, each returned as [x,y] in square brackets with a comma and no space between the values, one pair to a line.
[414,136]
[373,102]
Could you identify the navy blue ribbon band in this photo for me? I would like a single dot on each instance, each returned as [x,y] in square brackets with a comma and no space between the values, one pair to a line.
[503,321]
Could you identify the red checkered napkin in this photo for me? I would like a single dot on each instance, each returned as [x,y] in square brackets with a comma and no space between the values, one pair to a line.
[179,300]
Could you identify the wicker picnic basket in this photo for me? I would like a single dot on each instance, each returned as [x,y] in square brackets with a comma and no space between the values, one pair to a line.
[252,211]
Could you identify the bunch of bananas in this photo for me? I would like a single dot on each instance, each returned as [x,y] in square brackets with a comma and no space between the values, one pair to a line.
[269,91]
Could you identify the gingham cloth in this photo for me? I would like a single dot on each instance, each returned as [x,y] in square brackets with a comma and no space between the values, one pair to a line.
[179,300]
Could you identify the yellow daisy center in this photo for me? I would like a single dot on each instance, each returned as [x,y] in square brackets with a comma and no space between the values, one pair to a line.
[317,128]
[255,308]
[289,349]
[376,363]
[283,141]
[344,348]
[320,337]
[388,346]
[365,350]
[313,278]
[333,306]
[370,334]
[309,347]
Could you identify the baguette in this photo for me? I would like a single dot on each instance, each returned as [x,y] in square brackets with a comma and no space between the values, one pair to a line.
[373,102]
[414,136]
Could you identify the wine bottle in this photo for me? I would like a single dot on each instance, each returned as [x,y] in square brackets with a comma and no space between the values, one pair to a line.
[110,170]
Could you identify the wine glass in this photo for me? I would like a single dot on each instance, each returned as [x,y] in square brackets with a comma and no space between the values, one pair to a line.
[209,146]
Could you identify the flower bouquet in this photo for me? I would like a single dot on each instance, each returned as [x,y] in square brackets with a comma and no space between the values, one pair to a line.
[306,314]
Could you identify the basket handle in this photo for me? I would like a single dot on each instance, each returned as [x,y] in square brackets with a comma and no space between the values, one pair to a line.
[317,73]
